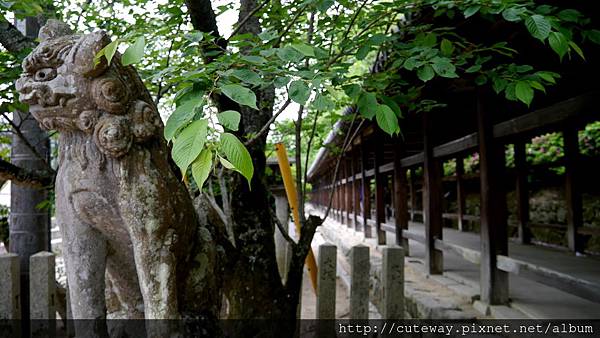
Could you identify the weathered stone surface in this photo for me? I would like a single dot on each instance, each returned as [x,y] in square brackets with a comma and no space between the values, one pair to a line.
[42,294]
[392,271]
[10,290]
[326,281]
[359,288]
[122,211]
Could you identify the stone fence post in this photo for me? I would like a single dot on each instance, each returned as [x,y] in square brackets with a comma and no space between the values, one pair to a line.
[359,282]
[42,294]
[392,271]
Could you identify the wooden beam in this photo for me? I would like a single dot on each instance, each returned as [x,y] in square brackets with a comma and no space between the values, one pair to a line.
[400,203]
[576,286]
[460,193]
[411,161]
[548,117]
[366,190]
[432,200]
[379,194]
[494,228]
[522,193]
[470,255]
[456,146]
[572,189]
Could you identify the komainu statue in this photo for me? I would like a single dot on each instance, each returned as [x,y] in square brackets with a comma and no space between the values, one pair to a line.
[125,217]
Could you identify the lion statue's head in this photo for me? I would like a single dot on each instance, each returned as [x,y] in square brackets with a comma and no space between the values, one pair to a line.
[68,89]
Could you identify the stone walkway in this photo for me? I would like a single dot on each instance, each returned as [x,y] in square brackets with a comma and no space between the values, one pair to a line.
[535,300]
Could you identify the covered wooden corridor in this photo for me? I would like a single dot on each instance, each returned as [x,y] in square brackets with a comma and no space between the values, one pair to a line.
[395,187]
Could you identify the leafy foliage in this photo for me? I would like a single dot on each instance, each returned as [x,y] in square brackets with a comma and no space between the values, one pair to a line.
[330,71]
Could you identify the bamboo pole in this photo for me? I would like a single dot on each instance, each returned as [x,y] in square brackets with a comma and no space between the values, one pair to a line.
[290,190]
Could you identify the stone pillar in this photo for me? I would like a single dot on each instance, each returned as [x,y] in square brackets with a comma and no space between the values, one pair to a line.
[42,294]
[9,287]
[10,294]
[326,281]
[359,283]
[283,250]
[392,271]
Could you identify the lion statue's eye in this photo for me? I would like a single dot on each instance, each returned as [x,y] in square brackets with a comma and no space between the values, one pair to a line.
[45,74]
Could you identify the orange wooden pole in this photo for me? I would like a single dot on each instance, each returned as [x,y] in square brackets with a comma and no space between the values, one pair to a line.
[290,190]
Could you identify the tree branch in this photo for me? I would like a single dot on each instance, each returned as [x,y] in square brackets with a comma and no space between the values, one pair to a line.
[247,17]
[265,128]
[12,39]
[29,178]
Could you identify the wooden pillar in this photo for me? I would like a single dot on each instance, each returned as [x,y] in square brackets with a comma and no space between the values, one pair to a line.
[342,191]
[355,189]
[400,202]
[366,190]
[413,194]
[572,188]
[432,200]
[494,232]
[348,191]
[380,182]
[460,192]
[522,193]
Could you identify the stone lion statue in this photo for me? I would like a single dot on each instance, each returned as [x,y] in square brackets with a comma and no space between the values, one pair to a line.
[122,211]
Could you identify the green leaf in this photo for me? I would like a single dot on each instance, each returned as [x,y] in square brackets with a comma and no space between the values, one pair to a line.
[281,81]
[268,35]
[593,35]
[229,119]
[444,67]
[181,116]
[411,63]
[304,49]
[194,36]
[392,104]
[352,90]
[425,73]
[538,26]
[109,50]
[362,52]
[473,69]
[499,84]
[289,54]
[513,14]
[524,92]
[569,15]
[134,53]
[259,60]
[226,163]
[239,94]
[558,43]
[577,49]
[537,85]
[548,76]
[201,167]
[387,119]
[446,47]
[189,143]
[299,92]
[367,105]
[323,103]
[470,11]
[248,76]
[238,155]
